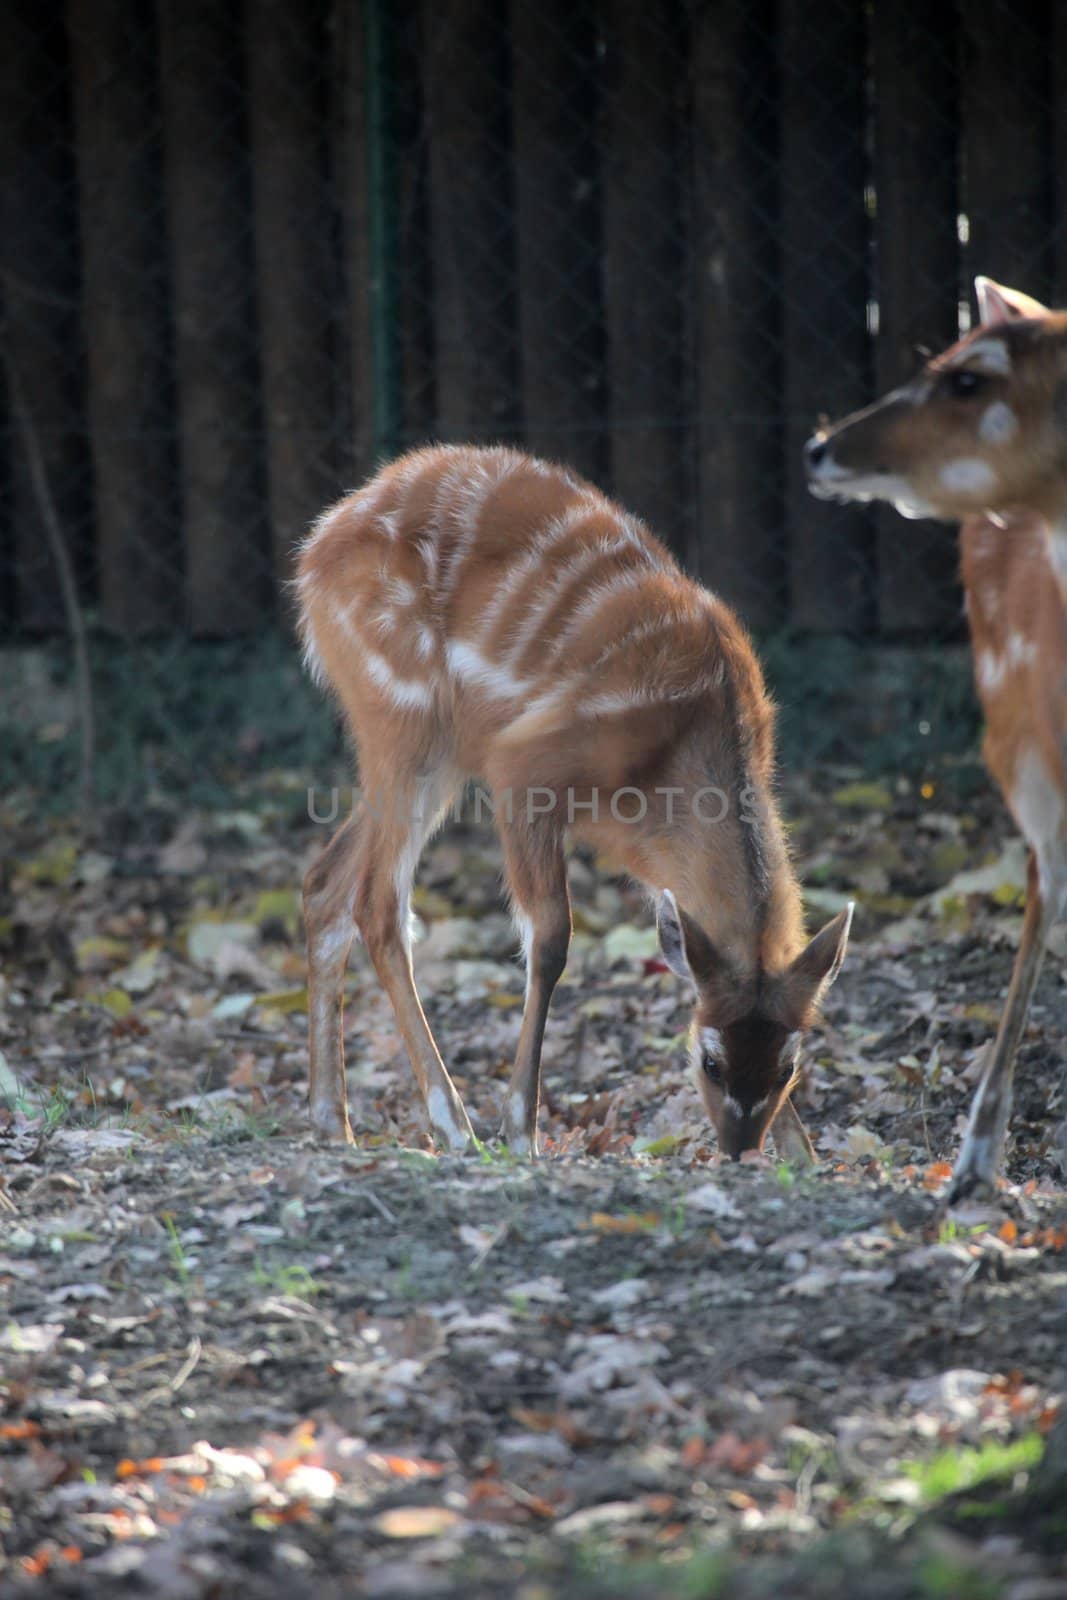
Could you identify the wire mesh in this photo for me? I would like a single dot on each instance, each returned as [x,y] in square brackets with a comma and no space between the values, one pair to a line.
[245,252]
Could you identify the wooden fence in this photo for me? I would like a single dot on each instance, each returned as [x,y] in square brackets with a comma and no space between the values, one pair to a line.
[245,250]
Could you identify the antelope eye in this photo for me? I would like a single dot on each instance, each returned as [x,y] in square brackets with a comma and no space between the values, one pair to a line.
[712,1069]
[964,383]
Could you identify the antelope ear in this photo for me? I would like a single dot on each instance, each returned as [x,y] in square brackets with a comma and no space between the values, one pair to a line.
[818,964]
[672,935]
[999,304]
[686,950]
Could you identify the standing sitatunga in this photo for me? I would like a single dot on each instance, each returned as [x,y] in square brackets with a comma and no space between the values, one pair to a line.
[980,437]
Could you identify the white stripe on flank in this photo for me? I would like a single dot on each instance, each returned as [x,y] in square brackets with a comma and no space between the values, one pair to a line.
[536,709]
[624,539]
[547,596]
[407,694]
[426,546]
[398,591]
[313,663]
[469,504]
[602,595]
[535,558]
[424,640]
[467,663]
[656,628]
[634,534]
[612,702]
[641,697]
[449,485]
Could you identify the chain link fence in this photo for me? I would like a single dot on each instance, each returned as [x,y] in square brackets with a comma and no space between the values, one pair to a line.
[246,251]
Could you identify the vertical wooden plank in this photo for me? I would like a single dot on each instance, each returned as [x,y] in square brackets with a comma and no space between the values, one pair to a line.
[736,296]
[39,288]
[825,282]
[1007,134]
[288,98]
[1058,98]
[558,236]
[209,226]
[413,229]
[466,87]
[643,257]
[124,294]
[353,368]
[916,256]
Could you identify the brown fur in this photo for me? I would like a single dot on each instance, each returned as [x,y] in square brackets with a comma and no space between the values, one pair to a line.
[1012,502]
[481,613]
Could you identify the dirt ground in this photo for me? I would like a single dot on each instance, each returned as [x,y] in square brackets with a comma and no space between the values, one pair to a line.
[234,1363]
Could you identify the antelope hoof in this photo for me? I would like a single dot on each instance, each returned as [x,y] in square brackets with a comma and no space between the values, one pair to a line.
[331,1127]
[974,1176]
[449,1123]
[518,1141]
[970,1183]
[515,1128]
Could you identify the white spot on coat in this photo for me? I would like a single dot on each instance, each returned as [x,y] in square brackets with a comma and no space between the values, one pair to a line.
[1057,546]
[1038,804]
[334,941]
[1022,652]
[998,424]
[525,930]
[967,475]
[992,670]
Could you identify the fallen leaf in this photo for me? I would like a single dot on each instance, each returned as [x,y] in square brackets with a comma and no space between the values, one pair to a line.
[284,1001]
[415,1522]
[643,1222]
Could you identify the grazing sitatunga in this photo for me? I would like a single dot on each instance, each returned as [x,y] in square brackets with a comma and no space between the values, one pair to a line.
[479,612]
[980,437]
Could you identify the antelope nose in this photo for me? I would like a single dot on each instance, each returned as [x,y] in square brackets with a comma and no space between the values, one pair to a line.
[816,450]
